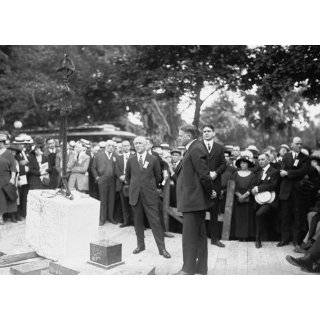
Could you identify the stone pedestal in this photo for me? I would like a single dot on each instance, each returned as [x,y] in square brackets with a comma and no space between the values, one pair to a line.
[58,228]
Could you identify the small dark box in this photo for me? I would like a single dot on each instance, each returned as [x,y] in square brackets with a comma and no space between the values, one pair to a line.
[105,252]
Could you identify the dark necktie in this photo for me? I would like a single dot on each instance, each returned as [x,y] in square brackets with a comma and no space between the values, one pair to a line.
[209,147]
[140,161]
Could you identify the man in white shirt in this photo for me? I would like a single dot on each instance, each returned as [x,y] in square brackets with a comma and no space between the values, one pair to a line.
[267,179]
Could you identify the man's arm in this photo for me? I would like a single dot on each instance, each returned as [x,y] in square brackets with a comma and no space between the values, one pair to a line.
[128,171]
[200,164]
[223,165]
[94,167]
[157,172]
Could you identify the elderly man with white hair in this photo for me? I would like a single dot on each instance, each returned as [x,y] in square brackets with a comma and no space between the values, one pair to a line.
[103,171]
[143,174]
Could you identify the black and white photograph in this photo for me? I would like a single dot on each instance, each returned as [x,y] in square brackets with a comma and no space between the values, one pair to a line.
[124,158]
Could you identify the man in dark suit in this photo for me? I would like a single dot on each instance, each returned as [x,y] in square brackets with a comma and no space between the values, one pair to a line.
[103,171]
[194,195]
[217,165]
[293,168]
[121,165]
[143,174]
[266,179]
[51,153]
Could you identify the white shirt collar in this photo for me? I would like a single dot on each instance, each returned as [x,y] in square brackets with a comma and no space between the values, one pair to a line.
[189,144]
[126,155]
[143,156]
[107,153]
[208,142]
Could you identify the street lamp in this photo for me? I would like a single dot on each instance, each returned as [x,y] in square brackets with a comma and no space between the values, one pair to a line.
[66,70]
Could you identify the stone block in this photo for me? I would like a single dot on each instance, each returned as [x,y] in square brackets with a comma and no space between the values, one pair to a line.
[58,269]
[105,252]
[36,267]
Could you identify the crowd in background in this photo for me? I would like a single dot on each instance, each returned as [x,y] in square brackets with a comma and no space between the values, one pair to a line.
[99,169]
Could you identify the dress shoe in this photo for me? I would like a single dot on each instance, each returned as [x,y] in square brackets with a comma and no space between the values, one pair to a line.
[218,243]
[101,223]
[298,249]
[258,244]
[123,225]
[19,218]
[138,250]
[182,273]
[165,253]
[307,245]
[13,219]
[168,235]
[304,262]
[113,222]
[282,243]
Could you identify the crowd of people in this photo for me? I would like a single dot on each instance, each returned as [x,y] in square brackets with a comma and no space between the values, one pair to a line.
[276,190]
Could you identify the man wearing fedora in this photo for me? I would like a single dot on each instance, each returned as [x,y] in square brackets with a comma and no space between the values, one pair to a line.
[266,180]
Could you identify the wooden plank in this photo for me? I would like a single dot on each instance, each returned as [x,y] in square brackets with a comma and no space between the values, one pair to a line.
[106,267]
[228,211]
[11,258]
[58,269]
[37,267]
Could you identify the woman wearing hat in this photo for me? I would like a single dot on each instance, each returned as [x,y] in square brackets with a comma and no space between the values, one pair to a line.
[7,175]
[243,217]
[38,177]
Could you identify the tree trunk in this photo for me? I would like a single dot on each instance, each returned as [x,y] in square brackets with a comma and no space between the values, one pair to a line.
[196,118]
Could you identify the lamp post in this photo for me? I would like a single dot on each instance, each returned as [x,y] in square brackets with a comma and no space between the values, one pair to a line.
[66,70]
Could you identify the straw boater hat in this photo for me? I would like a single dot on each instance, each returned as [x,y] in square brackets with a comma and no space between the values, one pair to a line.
[3,137]
[23,138]
[285,146]
[85,143]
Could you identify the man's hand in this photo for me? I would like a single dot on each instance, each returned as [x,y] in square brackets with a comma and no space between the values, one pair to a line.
[97,179]
[213,194]
[283,173]
[255,190]
[213,175]
[122,178]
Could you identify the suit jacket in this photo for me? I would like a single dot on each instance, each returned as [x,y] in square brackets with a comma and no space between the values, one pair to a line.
[33,175]
[217,163]
[194,185]
[104,168]
[270,182]
[295,173]
[79,168]
[143,181]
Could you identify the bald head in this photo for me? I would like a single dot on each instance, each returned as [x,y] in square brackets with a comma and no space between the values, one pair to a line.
[140,144]
[296,144]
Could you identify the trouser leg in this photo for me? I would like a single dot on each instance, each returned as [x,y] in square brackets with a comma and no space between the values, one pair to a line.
[190,239]
[213,224]
[124,208]
[260,216]
[153,217]
[138,222]
[103,202]
[202,255]
[285,220]
[110,202]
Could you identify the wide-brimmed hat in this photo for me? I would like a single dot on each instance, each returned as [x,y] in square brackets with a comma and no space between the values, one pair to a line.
[102,144]
[244,159]
[164,146]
